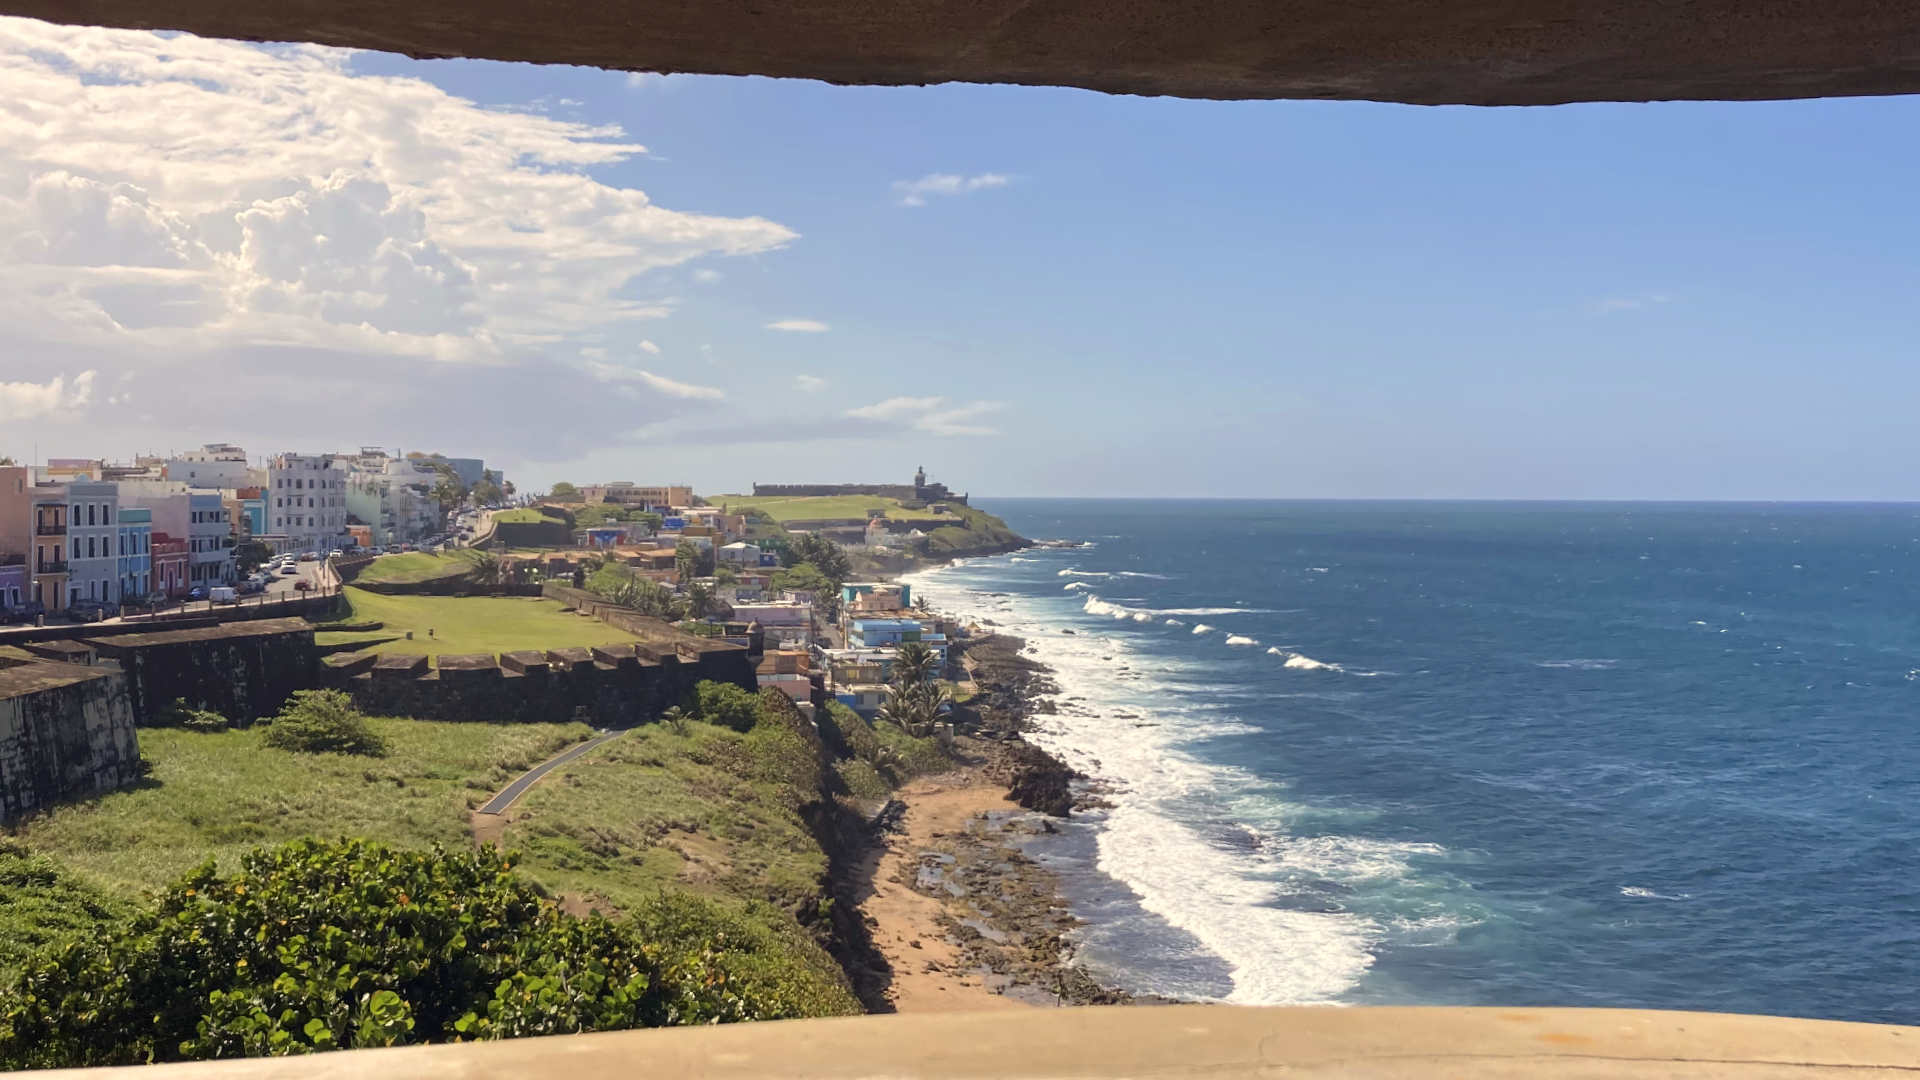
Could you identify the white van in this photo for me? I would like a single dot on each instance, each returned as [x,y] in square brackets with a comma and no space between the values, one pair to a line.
[223,594]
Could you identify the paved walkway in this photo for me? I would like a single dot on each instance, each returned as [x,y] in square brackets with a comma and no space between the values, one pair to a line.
[512,792]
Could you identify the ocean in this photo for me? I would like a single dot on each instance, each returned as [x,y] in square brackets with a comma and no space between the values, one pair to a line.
[1606,754]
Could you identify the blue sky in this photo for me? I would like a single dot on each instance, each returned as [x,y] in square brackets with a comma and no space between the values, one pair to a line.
[1164,297]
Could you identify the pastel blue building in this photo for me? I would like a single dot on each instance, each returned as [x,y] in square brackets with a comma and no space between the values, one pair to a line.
[853,590]
[892,633]
[135,551]
[255,511]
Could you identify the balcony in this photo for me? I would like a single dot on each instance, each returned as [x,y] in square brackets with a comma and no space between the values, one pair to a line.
[51,567]
[12,560]
[55,528]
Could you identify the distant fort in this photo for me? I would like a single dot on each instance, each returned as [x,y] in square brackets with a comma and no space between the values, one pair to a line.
[919,491]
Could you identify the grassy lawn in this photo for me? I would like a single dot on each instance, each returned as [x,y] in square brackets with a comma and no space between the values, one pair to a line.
[219,795]
[525,515]
[472,624]
[808,508]
[708,811]
[418,566]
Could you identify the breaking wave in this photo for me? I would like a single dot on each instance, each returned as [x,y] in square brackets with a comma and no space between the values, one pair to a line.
[1241,639]
[1202,628]
[1303,662]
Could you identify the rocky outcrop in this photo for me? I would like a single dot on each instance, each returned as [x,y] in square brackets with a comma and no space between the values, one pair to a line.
[1037,780]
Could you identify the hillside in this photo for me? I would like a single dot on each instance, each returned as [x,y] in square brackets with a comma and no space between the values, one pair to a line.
[962,531]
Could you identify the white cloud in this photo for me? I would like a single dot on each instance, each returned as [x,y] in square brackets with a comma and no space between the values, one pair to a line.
[927,414]
[243,218]
[916,192]
[800,326]
[27,400]
[811,384]
[654,80]
[1614,304]
[649,347]
[707,275]
[616,373]
[893,408]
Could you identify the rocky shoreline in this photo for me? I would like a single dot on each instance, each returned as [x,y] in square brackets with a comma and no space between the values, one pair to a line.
[1002,924]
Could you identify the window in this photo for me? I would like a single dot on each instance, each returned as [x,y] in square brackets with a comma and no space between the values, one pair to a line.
[76,547]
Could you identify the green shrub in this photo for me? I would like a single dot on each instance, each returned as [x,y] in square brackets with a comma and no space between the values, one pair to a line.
[42,902]
[318,946]
[860,779]
[724,704]
[323,722]
[180,715]
[843,727]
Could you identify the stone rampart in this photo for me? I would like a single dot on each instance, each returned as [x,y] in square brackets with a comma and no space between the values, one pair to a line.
[243,671]
[66,731]
[608,686]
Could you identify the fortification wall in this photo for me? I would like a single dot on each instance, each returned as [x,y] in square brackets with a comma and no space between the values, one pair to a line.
[242,671]
[536,534]
[885,491]
[608,686]
[66,732]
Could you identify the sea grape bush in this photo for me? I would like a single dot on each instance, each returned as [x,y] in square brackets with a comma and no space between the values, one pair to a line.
[323,945]
[323,722]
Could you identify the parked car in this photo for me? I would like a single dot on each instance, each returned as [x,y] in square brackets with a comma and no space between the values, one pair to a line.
[92,610]
[198,592]
[286,571]
[302,585]
[22,613]
[248,587]
[334,554]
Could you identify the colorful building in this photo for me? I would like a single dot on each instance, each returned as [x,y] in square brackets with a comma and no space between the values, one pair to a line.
[169,560]
[16,583]
[135,553]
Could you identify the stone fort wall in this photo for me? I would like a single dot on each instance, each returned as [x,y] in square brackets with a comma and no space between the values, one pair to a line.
[66,732]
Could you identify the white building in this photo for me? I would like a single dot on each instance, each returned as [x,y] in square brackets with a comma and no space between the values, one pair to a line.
[740,553]
[93,533]
[393,496]
[198,516]
[306,501]
[215,465]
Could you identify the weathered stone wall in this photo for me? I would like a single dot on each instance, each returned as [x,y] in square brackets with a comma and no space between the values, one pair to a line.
[66,732]
[885,491]
[539,534]
[243,671]
[609,686]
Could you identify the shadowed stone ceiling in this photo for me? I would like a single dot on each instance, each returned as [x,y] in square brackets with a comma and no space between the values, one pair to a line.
[1485,52]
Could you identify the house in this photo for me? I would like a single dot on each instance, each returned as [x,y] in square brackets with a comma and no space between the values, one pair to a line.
[875,596]
[135,549]
[168,560]
[650,559]
[360,533]
[93,530]
[863,698]
[893,632]
[788,671]
[786,624]
[847,667]
[635,496]
[201,517]
[748,585]
[16,582]
[739,553]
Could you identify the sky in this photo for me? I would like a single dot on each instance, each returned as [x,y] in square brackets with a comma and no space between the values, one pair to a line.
[585,275]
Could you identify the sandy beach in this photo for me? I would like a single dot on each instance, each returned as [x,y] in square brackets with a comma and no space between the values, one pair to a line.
[911,928]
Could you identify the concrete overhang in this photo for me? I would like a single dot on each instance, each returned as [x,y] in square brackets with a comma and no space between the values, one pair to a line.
[1481,52]
[1192,1042]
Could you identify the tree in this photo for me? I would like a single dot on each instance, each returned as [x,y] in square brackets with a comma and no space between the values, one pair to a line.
[323,722]
[488,569]
[507,489]
[699,601]
[488,489]
[725,575]
[564,492]
[6,461]
[823,553]
[914,664]
[724,704]
[248,555]
[686,559]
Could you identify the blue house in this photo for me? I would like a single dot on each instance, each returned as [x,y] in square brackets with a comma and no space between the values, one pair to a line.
[135,550]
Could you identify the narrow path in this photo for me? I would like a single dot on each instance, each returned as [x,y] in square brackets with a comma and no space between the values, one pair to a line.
[512,792]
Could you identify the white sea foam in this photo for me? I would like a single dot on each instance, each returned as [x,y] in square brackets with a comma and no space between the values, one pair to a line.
[1140,573]
[1578,664]
[1241,639]
[1072,585]
[1143,616]
[1156,839]
[1071,572]
[1303,662]
[1639,893]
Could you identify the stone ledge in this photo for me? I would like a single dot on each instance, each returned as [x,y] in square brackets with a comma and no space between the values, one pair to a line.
[1196,1042]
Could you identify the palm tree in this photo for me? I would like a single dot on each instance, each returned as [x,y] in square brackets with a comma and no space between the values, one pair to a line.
[676,719]
[487,569]
[914,663]
[699,600]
